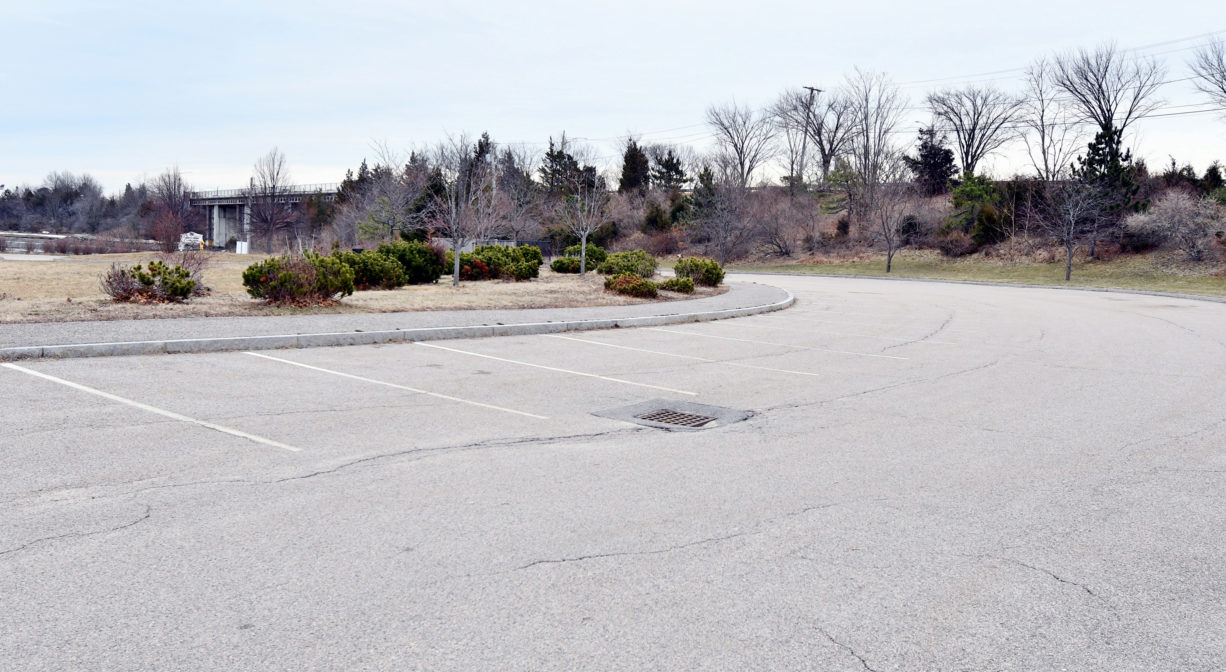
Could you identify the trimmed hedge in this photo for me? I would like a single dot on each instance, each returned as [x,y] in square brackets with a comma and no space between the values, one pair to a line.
[701,270]
[307,280]
[638,262]
[631,284]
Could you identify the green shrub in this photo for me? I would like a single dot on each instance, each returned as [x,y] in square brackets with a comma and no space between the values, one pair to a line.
[422,263]
[631,284]
[682,285]
[596,255]
[565,265]
[372,269]
[702,270]
[637,262]
[158,283]
[489,262]
[306,280]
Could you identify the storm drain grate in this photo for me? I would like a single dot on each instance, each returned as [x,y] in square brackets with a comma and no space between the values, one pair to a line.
[671,417]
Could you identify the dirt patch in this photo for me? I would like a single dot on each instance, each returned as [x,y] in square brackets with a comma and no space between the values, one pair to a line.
[68,289]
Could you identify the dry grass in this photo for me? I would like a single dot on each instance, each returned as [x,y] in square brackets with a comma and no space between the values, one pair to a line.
[68,289]
[1165,271]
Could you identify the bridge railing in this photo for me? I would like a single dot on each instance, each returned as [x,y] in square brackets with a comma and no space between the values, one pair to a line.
[322,188]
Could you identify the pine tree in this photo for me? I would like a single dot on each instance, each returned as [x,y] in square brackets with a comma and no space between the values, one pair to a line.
[933,165]
[668,172]
[636,169]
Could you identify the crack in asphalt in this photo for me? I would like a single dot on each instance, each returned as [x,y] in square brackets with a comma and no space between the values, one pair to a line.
[883,388]
[758,528]
[654,551]
[80,535]
[492,443]
[848,649]
[1061,579]
[925,337]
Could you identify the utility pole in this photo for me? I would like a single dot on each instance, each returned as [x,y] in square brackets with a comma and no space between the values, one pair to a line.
[804,137]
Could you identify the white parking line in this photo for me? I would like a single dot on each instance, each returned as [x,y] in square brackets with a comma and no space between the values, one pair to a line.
[554,368]
[693,357]
[396,386]
[780,345]
[152,409]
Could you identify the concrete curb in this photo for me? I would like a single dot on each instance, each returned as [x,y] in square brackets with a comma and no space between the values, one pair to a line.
[273,342]
[987,283]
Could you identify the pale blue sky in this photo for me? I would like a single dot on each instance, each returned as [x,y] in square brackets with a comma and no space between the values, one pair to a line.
[122,90]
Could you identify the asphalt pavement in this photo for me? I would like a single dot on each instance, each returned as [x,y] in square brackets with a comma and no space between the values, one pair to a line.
[896,476]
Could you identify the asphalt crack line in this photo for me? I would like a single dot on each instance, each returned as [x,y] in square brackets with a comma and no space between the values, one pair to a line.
[656,551]
[772,343]
[848,649]
[925,337]
[80,535]
[1059,578]
[758,528]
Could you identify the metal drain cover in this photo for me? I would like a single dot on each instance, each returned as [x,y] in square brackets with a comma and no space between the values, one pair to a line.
[670,417]
[675,415]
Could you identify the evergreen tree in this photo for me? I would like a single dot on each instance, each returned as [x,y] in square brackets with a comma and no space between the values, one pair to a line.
[933,165]
[636,169]
[1111,171]
[668,172]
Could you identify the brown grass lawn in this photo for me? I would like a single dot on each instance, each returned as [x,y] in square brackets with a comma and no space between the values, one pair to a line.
[68,289]
[1157,271]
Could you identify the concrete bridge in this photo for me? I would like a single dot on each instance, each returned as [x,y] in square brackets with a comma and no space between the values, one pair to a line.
[228,211]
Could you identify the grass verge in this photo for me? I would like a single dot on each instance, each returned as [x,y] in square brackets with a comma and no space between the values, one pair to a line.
[1161,272]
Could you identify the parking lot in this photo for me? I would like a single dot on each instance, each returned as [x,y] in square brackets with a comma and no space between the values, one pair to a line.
[930,476]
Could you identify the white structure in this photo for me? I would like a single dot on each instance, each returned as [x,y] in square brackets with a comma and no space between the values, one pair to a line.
[191,241]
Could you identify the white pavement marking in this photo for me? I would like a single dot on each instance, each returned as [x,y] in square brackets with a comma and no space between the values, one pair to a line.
[693,357]
[396,386]
[780,345]
[554,368]
[152,409]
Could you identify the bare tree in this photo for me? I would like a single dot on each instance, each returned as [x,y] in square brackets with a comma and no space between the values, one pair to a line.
[584,212]
[1209,66]
[271,209]
[1070,211]
[980,118]
[1107,88]
[172,211]
[894,197]
[743,138]
[790,115]
[723,222]
[874,110]
[1051,136]
[454,212]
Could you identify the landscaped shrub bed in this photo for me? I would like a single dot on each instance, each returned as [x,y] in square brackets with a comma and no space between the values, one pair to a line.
[637,262]
[680,285]
[299,281]
[632,285]
[701,270]
[596,254]
[372,270]
[492,262]
[565,265]
[422,262]
[157,283]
